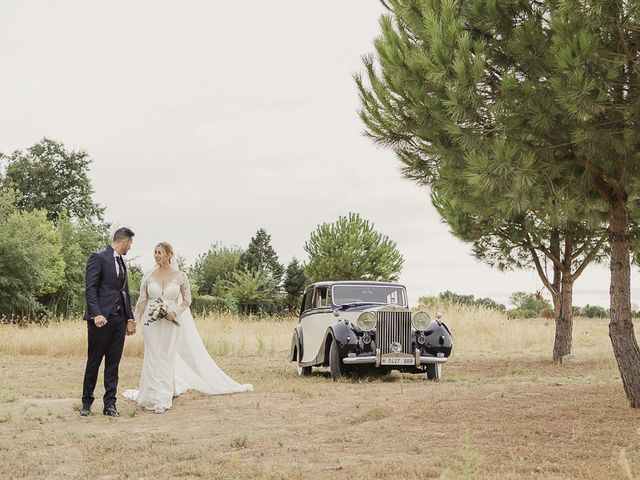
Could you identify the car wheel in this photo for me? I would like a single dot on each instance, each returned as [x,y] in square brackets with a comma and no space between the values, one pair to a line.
[434,371]
[302,371]
[335,362]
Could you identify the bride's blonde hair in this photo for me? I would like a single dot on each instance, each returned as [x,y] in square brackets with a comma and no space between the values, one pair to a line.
[168,249]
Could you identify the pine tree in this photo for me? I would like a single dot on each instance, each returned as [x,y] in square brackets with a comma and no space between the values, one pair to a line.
[261,257]
[529,240]
[350,249]
[294,278]
[294,284]
[514,94]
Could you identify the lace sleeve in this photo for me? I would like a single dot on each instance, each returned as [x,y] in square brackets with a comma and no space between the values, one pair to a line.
[185,290]
[141,304]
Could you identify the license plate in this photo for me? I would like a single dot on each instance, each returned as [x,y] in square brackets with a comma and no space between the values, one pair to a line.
[397,360]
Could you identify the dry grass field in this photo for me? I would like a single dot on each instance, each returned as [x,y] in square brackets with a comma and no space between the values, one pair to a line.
[503,410]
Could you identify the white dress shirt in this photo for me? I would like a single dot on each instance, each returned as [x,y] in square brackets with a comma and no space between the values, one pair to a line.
[115,259]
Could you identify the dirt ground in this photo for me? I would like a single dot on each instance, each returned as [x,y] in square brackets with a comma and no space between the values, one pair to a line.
[506,418]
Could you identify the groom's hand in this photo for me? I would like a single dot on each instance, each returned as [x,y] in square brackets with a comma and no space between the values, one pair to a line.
[100,321]
[131,327]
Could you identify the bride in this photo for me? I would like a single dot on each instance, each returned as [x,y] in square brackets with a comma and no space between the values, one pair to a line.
[175,359]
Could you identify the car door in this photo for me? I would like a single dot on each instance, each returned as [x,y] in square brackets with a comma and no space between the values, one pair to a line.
[315,320]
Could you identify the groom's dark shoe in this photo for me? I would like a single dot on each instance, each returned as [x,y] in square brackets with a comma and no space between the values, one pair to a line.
[85,411]
[111,411]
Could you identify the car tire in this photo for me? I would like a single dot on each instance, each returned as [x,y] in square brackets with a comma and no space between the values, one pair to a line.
[302,371]
[335,362]
[434,371]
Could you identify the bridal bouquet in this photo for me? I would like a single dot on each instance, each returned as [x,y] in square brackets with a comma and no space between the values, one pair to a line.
[157,311]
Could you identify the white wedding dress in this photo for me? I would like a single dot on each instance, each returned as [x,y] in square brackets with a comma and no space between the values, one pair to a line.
[175,359]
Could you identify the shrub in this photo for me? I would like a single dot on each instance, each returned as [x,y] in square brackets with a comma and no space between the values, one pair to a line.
[594,311]
[528,305]
[450,298]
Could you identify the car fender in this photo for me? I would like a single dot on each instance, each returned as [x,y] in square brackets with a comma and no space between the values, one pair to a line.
[439,339]
[345,337]
[296,343]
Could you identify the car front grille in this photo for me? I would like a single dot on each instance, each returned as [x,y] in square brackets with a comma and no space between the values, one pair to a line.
[393,327]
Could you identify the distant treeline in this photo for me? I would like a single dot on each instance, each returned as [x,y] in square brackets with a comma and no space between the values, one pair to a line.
[526,305]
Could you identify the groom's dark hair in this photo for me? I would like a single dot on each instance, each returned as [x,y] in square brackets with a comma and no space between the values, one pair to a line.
[122,233]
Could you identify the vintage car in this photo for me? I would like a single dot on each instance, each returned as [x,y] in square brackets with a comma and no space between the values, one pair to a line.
[353,326]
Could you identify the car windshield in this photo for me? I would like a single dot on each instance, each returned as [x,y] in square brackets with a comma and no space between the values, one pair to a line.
[380,294]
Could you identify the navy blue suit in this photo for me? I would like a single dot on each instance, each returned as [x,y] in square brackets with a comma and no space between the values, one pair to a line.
[107,294]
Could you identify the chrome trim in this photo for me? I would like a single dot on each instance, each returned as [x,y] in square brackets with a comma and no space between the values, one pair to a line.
[414,315]
[377,359]
[367,329]
[433,360]
[393,327]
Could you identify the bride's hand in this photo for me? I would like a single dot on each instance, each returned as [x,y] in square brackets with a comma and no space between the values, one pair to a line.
[171,316]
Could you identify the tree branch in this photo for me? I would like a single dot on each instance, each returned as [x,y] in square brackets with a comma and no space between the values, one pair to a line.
[541,273]
[589,258]
[556,261]
[626,52]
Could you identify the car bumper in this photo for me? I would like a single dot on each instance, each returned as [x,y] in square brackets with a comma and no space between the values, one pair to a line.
[377,360]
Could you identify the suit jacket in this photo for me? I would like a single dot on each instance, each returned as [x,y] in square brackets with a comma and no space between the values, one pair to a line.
[102,286]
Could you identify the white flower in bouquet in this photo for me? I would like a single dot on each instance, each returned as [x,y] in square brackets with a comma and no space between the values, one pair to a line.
[157,311]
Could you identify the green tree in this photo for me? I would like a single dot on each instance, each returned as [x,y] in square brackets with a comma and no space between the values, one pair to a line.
[49,177]
[261,257]
[216,265]
[527,240]
[350,249]
[134,277]
[527,305]
[78,239]
[294,284]
[31,262]
[252,291]
[517,93]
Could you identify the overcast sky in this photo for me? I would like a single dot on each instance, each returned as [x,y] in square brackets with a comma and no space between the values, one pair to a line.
[207,120]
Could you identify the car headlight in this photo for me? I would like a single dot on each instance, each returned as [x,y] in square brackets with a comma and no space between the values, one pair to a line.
[367,321]
[421,320]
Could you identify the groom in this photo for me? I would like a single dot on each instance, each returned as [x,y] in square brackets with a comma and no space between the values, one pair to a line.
[109,317]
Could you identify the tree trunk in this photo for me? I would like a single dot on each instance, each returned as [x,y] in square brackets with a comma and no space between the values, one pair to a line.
[623,339]
[557,305]
[564,320]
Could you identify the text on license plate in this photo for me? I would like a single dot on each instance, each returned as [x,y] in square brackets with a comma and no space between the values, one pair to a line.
[397,361]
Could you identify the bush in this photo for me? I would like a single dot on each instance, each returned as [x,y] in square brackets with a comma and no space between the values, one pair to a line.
[529,305]
[206,304]
[522,313]
[214,266]
[594,311]
[547,313]
[451,298]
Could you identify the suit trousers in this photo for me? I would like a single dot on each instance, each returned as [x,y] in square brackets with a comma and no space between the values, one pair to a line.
[105,342]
